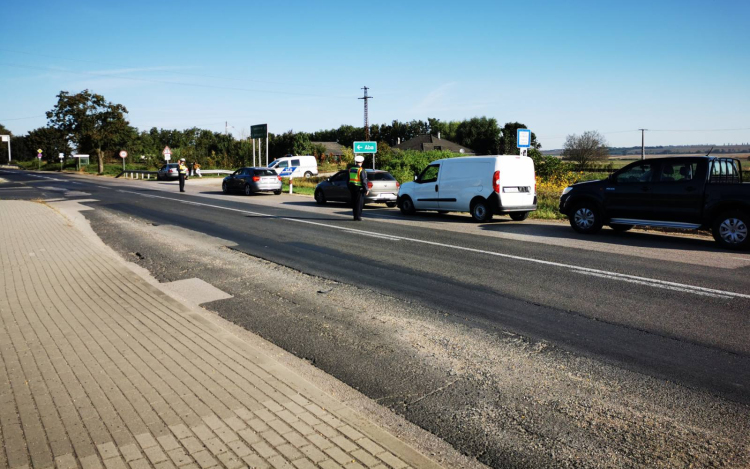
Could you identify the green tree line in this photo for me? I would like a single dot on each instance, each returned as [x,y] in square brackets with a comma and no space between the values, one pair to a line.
[87,123]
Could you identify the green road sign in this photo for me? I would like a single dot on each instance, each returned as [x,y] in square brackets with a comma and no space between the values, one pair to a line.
[365,147]
[259,131]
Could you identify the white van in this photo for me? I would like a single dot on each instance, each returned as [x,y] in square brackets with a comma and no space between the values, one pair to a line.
[480,185]
[306,165]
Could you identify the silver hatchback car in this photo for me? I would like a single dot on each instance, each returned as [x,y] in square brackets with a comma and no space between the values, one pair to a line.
[251,181]
[382,185]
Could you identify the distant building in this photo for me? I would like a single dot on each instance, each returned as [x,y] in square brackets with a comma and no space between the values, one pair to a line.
[431,142]
[333,149]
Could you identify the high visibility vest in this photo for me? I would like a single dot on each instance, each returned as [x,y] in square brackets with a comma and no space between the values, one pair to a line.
[182,169]
[354,176]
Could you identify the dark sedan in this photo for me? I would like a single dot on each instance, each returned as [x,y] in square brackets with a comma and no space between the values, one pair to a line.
[382,185]
[252,180]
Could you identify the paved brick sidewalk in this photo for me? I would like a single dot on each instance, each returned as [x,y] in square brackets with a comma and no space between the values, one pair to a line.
[100,369]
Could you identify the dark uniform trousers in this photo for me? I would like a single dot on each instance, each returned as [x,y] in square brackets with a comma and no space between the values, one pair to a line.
[358,200]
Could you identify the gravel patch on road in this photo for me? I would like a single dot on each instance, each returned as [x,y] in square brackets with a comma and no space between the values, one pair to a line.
[495,396]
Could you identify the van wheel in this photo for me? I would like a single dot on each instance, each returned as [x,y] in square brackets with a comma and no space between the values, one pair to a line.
[586,218]
[731,228]
[481,211]
[320,198]
[224,188]
[248,190]
[519,216]
[308,174]
[407,206]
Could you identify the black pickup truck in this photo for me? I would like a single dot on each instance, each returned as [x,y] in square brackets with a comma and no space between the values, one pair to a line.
[679,192]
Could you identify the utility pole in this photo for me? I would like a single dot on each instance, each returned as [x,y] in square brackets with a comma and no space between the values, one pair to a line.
[367,121]
[643,144]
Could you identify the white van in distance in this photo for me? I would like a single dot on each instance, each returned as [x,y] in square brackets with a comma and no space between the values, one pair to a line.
[480,185]
[306,165]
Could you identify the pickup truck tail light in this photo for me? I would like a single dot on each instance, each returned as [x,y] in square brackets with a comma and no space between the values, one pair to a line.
[496,182]
[256,178]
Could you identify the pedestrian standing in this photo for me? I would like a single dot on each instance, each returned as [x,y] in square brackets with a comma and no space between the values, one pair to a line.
[358,186]
[181,173]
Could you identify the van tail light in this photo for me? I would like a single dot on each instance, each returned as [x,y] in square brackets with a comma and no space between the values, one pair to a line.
[369,185]
[496,182]
[256,178]
[397,185]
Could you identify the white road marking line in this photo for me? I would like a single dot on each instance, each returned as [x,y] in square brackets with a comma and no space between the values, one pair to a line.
[742,258]
[656,283]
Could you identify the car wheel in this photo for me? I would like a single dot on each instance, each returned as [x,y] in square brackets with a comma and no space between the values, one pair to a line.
[443,212]
[731,228]
[320,198]
[248,189]
[519,216]
[407,206]
[308,174]
[586,218]
[278,192]
[224,188]
[158,177]
[621,228]
[480,211]
[390,204]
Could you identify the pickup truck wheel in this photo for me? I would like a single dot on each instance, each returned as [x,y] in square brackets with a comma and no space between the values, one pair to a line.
[481,211]
[320,198]
[731,229]
[621,228]
[586,219]
[519,216]
[407,206]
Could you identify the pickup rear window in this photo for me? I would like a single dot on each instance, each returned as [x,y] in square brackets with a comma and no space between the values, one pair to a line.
[678,172]
[725,171]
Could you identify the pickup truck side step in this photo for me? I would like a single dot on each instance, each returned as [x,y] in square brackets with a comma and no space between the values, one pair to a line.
[660,224]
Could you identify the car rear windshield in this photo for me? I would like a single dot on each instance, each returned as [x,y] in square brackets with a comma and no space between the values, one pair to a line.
[380,176]
[264,172]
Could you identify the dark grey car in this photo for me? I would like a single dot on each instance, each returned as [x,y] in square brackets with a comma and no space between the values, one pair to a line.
[252,180]
[382,185]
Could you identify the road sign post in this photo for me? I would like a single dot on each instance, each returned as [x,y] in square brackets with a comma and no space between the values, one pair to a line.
[167,154]
[523,141]
[39,158]
[6,138]
[123,155]
[61,155]
[366,147]
[259,131]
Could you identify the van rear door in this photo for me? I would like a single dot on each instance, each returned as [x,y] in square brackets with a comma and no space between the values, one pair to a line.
[516,183]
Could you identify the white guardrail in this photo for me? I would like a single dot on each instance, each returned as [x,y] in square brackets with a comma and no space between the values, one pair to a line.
[139,174]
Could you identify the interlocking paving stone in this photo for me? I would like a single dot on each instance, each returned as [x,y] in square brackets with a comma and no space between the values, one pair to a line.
[118,373]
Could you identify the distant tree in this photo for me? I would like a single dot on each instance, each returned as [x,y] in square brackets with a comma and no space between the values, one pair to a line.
[584,149]
[510,133]
[481,134]
[90,122]
[50,140]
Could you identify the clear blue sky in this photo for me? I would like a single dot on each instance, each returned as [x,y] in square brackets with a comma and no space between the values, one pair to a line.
[558,67]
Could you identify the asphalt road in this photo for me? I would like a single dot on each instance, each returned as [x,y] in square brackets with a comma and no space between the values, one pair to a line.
[674,308]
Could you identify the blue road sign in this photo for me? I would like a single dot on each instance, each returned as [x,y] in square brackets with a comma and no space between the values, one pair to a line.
[365,147]
[523,138]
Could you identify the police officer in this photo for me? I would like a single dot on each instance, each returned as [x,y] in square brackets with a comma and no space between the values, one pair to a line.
[182,173]
[358,186]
